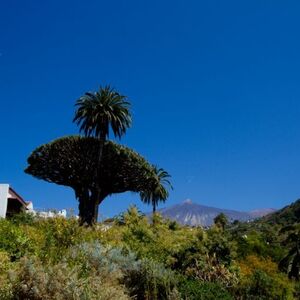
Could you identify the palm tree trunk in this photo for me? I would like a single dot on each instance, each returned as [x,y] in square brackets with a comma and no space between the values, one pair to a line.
[96,200]
[153,208]
[100,153]
[153,213]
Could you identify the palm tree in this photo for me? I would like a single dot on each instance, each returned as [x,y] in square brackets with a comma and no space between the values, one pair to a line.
[158,188]
[97,114]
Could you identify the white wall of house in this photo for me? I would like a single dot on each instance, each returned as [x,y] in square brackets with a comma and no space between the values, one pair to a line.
[4,190]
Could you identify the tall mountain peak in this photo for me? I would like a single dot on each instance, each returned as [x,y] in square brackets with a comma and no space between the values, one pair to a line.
[187,201]
[194,214]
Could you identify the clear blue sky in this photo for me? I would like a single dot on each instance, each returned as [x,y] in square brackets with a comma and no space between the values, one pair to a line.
[214,86]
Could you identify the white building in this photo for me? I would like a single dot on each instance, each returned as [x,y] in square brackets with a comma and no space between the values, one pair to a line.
[11,203]
[52,214]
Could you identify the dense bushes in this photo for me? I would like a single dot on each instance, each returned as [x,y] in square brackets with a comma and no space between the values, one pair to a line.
[261,280]
[132,258]
[35,280]
[152,281]
[195,290]
[143,278]
[14,240]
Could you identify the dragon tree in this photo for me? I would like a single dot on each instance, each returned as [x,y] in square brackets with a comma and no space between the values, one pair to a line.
[71,161]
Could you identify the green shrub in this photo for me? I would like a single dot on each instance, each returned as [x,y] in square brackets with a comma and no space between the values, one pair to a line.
[134,260]
[5,263]
[261,279]
[208,269]
[151,281]
[5,266]
[23,218]
[196,290]
[104,260]
[37,281]
[297,290]
[261,286]
[58,235]
[14,240]
[173,225]
[219,246]
[145,279]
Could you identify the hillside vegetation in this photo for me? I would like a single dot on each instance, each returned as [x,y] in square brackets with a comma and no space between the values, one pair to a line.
[134,258]
[289,215]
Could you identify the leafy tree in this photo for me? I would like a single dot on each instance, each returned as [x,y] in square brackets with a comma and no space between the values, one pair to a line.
[221,220]
[70,161]
[97,113]
[158,188]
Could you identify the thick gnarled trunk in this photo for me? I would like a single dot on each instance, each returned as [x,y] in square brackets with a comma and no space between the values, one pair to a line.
[89,199]
[88,206]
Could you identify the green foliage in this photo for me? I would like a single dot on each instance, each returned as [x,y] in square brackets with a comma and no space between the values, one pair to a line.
[36,281]
[105,260]
[275,235]
[70,161]
[261,286]
[173,225]
[93,167]
[144,279]
[24,218]
[291,261]
[157,190]
[98,112]
[158,242]
[208,269]
[151,281]
[221,220]
[288,215]
[252,242]
[297,290]
[58,234]
[196,290]
[6,266]
[14,240]
[260,279]
[131,217]
[53,258]
[219,246]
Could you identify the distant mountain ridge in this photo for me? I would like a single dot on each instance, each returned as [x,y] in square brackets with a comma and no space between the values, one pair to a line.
[286,216]
[193,214]
[257,213]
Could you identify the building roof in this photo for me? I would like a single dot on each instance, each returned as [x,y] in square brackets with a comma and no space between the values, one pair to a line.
[12,194]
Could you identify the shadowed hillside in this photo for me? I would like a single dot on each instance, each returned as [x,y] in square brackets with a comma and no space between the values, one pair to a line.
[286,216]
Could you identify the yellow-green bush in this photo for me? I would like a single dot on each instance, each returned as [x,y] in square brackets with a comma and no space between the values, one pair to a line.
[261,278]
[14,240]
